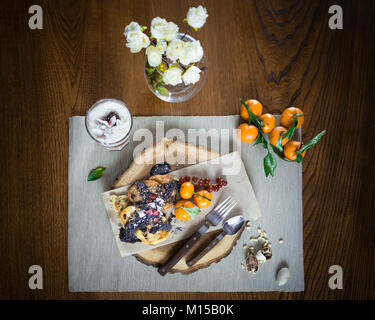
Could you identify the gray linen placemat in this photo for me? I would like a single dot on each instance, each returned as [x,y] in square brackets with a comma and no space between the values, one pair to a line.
[94,262]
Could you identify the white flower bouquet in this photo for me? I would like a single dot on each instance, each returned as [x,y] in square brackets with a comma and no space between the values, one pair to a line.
[174,61]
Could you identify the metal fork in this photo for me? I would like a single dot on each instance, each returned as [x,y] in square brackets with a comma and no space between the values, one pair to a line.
[212,219]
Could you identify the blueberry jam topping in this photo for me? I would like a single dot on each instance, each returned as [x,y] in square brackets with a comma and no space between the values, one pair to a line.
[160,168]
[127,234]
[170,187]
[148,215]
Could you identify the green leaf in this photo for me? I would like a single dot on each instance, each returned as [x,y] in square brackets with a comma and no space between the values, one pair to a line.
[278,153]
[163,91]
[279,145]
[291,130]
[143,28]
[96,174]
[270,164]
[261,139]
[311,143]
[193,212]
[299,158]
[149,71]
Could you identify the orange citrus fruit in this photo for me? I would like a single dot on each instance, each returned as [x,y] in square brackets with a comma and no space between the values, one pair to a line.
[275,135]
[247,132]
[290,150]
[186,190]
[287,117]
[202,199]
[179,210]
[269,122]
[255,107]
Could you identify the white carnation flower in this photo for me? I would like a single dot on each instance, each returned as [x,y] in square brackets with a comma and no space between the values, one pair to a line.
[161,29]
[136,41]
[162,46]
[191,75]
[153,56]
[196,17]
[193,52]
[132,26]
[172,76]
[175,49]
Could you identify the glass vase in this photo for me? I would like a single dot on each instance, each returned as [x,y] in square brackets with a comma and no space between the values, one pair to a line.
[180,92]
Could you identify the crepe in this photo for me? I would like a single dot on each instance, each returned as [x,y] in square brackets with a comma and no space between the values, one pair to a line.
[177,153]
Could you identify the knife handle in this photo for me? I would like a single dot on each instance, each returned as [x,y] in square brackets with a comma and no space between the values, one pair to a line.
[164,269]
[206,250]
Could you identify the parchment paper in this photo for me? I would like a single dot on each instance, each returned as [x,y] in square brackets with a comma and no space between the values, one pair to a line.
[94,262]
[239,188]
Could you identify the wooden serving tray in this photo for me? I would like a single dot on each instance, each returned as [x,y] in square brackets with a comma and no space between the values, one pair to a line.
[140,170]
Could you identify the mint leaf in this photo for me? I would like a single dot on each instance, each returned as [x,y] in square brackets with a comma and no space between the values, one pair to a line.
[270,164]
[96,174]
[193,211]
[311,143]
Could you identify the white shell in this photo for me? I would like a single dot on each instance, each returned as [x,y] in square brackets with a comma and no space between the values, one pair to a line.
[260,257]
[282,276]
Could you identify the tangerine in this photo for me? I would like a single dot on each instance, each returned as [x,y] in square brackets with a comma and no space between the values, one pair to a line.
[247,132]
[269,122]
[254,106]
[288,116]
[275,135]
[179,210]
[290,150]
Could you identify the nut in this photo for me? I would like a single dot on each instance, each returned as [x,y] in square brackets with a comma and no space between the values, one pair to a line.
[266,251]
[251,263]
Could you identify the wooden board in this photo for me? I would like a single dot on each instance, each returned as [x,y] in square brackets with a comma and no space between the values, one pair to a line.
[157,256]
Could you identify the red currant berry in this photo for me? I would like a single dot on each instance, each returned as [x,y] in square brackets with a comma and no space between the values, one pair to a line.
[187,178]
[195,179]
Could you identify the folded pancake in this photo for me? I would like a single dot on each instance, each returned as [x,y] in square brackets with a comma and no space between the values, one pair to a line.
[155,233]
[151,201]
[144,190]
[119,203]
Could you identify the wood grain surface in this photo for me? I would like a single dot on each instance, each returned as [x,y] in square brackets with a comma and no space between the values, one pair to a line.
[279,52]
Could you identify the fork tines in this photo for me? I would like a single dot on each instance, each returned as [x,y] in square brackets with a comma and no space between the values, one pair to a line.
[225,207]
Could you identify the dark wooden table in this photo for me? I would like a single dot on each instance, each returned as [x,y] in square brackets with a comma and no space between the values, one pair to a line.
[279,52]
